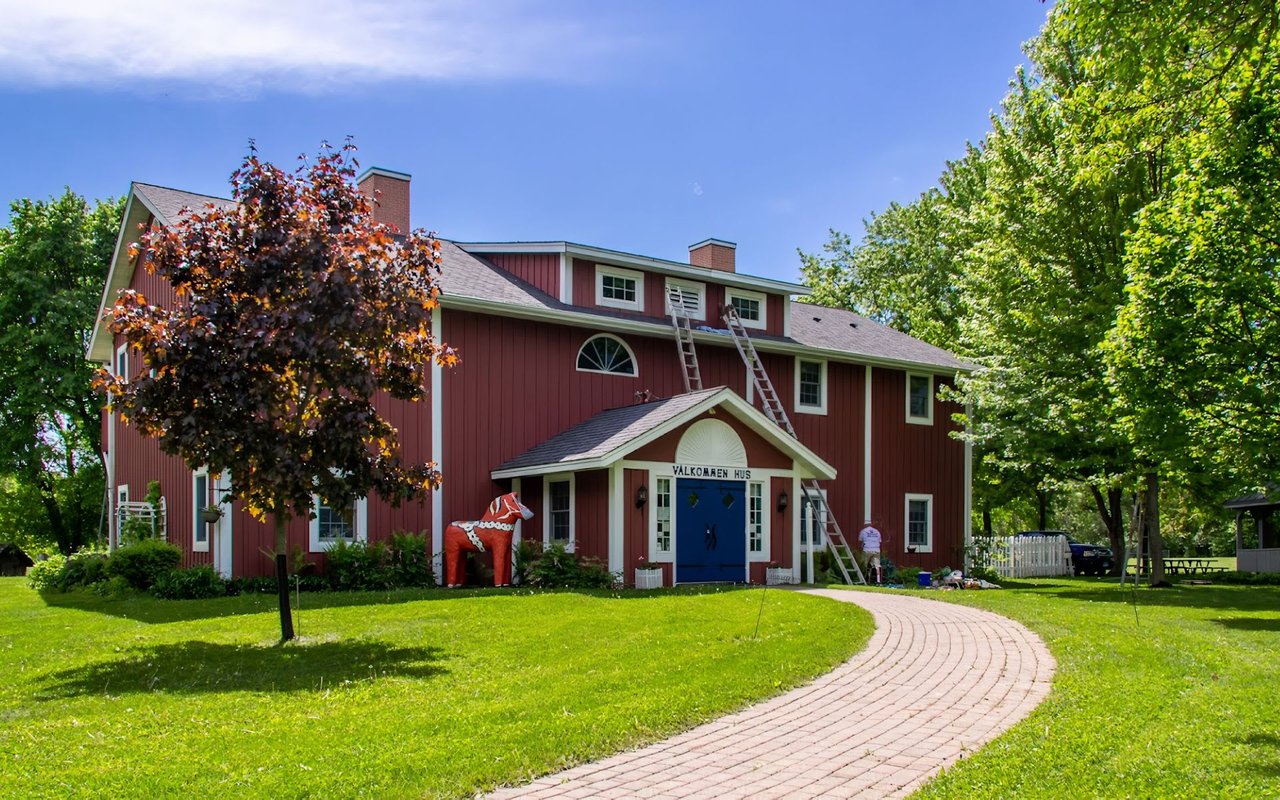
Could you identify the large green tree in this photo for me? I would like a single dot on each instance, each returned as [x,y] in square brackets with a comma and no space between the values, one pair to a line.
[54,258]
[295,308]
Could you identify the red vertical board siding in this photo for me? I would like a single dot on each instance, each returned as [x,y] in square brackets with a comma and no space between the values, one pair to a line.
[780,524]
[837,436]
[774,305]
[635,535]
[921,459]
[591,518]
[715,305]
[540,269]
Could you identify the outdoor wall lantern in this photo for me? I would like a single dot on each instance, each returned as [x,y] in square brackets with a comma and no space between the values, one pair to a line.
[642,496]
[783,502]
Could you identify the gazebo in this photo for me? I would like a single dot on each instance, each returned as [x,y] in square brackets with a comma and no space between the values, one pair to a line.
[1261,506]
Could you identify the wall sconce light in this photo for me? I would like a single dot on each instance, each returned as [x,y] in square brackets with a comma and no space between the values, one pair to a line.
[783,502]
[642,496]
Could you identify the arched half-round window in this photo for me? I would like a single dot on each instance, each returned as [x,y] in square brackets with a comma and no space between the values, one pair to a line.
[609,354]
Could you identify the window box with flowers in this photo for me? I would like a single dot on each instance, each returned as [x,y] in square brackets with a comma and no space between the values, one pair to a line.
[648,576]
[776,575]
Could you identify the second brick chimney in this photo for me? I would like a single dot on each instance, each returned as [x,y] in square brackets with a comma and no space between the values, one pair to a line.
[391,190]
[713,254]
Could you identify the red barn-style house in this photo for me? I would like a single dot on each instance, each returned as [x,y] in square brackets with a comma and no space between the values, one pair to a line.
[597,431]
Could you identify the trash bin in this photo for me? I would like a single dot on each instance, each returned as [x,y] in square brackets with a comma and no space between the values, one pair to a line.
[926,579]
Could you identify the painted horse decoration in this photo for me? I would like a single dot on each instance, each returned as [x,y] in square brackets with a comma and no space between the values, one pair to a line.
[491,533]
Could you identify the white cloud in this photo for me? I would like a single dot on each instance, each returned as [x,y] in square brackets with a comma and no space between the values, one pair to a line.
[308,45]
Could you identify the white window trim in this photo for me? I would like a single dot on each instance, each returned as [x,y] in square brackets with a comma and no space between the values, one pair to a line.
[618,272]
[360,519]
[122,370]
[746,294]
[635,363]
[821,408]
[906,523]
[547,480]
[199,504]
[654,555]
[699,289]
[765,527]
[928,418]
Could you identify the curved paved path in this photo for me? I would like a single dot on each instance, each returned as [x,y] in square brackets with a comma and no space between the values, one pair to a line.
[935,683]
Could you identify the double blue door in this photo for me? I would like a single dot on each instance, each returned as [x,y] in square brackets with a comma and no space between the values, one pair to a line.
[711,531]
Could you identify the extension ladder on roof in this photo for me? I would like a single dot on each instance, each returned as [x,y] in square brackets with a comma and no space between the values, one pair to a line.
[679,303]
[841,551]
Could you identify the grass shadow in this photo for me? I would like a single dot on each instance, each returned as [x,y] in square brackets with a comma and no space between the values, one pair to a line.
[1239,598]
[202,667]
[1249,624]
[1267,745]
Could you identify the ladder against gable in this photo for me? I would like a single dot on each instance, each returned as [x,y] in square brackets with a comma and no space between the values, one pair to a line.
[841,551]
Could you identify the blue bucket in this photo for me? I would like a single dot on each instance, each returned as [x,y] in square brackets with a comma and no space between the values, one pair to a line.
[925,579]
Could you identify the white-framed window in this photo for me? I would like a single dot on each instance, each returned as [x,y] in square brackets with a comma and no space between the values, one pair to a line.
[811,386]
[619,288]
[919,399]
[330,526]
[122,362]
[757,523]
[812,520]
[199,501]
[753,307]
[919,523]
[690,294]
[663,544]
[608,354]
[558,501]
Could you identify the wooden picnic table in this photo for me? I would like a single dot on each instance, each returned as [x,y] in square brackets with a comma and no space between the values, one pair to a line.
[1190,566]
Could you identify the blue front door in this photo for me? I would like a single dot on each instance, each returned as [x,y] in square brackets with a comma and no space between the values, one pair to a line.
[711,531]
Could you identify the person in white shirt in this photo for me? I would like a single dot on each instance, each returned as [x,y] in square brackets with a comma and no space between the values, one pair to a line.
[869,537]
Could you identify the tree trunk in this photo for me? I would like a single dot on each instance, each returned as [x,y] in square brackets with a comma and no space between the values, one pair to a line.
[1109,508]
[48,491]
[1042,505]
[986,522]
[282,577]
[1156,544]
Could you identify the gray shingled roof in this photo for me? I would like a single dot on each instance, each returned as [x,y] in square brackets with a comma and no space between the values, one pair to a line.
[167,203]
[469,276]
[605,432]
[1268,497]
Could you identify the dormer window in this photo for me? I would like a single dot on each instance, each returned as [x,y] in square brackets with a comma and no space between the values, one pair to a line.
[619,288]
[751,306]
[690,295]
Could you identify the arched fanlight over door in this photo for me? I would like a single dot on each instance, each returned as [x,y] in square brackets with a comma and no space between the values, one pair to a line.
[607,354]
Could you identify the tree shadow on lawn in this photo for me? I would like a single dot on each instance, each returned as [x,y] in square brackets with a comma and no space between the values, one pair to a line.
[1266,745]
[1249,623]
[1238,598]
[197,667]
[153,611]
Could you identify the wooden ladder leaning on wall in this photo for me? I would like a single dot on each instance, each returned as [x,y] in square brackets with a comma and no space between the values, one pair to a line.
[678,304]
[837,544]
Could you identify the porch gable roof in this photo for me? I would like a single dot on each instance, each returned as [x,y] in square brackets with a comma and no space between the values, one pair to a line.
[610,435]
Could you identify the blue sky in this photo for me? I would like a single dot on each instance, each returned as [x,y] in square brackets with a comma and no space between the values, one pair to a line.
[641,127]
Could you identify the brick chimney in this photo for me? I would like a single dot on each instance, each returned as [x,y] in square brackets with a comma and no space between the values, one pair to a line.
[391,191]
[713,254]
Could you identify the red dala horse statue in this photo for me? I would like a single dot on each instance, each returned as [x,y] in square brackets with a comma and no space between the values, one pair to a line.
[491,533]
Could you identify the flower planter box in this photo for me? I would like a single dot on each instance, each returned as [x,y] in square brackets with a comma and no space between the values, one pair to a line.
[648,579]
[778,576]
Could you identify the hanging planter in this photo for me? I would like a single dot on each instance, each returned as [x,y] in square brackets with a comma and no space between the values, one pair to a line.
[210,514]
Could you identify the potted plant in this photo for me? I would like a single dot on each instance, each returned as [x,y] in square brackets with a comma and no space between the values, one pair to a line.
[648,576]
[210,514]
[777,575]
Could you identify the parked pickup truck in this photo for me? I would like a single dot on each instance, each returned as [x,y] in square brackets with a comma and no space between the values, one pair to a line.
[1086,559]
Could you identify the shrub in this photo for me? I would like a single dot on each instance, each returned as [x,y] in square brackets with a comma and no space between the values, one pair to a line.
[134,530]
[144,563]
[1246,578]
[251,585]
[197,583]
[985,574]
[558,568]
[359,567]
[46,575]
[84,569]
[908,576]
[525,556]
[410,555]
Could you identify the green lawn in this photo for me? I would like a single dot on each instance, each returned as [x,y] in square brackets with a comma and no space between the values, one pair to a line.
[406,694]
[1184,701]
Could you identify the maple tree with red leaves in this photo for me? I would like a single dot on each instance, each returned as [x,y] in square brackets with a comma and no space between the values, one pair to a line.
[294,310]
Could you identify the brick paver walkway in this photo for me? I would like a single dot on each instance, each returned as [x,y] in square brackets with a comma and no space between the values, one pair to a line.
[935,683]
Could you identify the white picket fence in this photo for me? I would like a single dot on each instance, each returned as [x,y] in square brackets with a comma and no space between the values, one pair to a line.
[1031,556]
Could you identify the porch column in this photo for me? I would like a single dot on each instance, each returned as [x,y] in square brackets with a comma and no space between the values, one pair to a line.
[616,500]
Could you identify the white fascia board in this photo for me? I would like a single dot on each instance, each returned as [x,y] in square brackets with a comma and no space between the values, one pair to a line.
[640,328]
[119,276]
[661,265]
